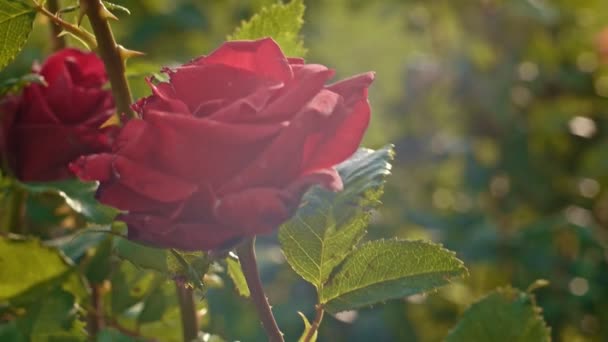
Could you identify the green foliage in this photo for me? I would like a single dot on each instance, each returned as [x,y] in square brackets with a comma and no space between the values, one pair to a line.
[329,225]
[507,315]
[52,319]
[115,7]
[282,22]
[169,262]
[15,84]
[236,274]
[16,20]
[320,243]
[307,327]
[27,263]
[386,269]
[80,196]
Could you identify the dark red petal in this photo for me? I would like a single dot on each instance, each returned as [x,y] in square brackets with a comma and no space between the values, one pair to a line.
[136,141]
[35,108]
[254,210]
[206,151]
[95,167]
[195,85]
[341,137]
[308,81]
[151,183]
[43,152]
[247,108]
[281,161]
[190,235]
[263,58]
[121,197]
[163,99]
[295,60]
[85,67]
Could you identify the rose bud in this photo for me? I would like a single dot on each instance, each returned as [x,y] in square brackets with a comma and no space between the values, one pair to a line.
[50,125]
[226,149]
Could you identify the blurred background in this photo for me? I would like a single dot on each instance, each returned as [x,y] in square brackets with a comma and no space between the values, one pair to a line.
[499,113]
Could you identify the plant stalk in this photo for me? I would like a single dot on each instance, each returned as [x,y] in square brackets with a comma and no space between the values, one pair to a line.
[57,41]
[95,320]
[87,38]
[185,296]
[246,254]
[314,326]
[109,52]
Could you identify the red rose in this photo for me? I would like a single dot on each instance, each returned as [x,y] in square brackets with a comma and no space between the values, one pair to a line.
[50,125]
[227,147]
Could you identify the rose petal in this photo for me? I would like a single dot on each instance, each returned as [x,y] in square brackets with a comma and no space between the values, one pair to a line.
[35,108]
[254,210]
[206,151]
[190,236]
[262,57]
[281,161]
[163,98]
[308,81]
[43,152]
[195,85]
[341,137]
[150,183]
[95,167]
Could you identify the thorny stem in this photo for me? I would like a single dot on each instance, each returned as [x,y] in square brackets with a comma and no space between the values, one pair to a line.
[246,254]
[57,41]
[109,52]
[314,326]
[83,35]
[185,296]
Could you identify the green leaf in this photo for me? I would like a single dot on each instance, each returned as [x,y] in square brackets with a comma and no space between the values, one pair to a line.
[142,256]
[236,274]
[98,267]
[115,7]
[80,196]
[280,21]
[113,335]
[52,319]
[507,315]
[76,245]
[16,20]
[10,332]
[388,269]
[17,83]
[26,263]
[329,225]
[171,263]
[131,285]
[307,327]
[158,302]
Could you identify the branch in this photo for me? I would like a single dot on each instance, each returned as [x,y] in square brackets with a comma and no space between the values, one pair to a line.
[246,253]
[95,319]
[78,32]
[110,53]
[314,326]
[187,308]
[57,41]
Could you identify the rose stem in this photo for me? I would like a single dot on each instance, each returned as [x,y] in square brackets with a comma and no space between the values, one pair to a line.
[57,42]
[246,254]
[95,317]
[315,324]
[83,35]
[109,52]
[16,211]
[185,296]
